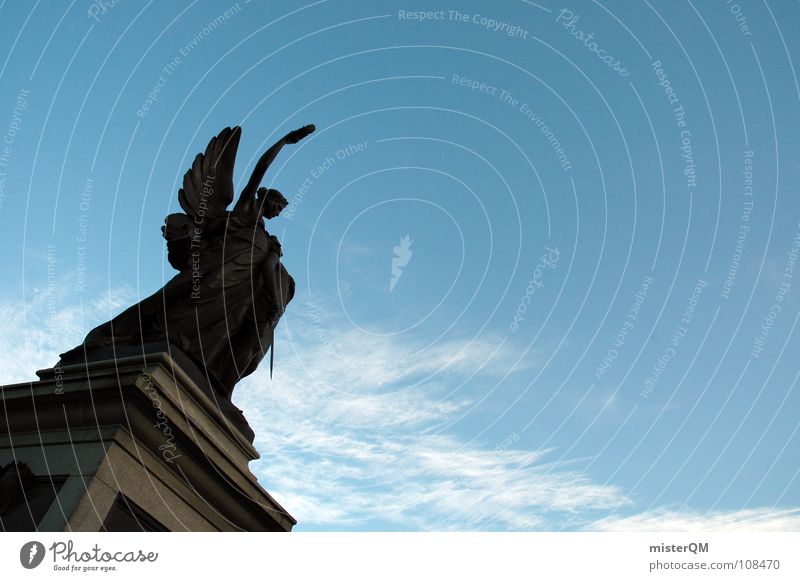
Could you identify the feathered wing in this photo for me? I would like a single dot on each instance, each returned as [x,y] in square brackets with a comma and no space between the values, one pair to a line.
[206,193]
[208,186]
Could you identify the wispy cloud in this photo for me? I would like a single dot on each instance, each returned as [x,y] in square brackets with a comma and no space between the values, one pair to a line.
[36,330]
[340,478]
[356,431]
[331,351]
[663,519]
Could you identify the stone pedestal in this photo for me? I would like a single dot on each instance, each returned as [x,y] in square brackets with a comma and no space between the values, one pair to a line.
[126,444]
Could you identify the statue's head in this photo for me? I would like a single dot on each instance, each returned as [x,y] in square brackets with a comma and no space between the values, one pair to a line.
[271,202]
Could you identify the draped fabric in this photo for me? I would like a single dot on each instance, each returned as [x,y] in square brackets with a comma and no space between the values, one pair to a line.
[219,311]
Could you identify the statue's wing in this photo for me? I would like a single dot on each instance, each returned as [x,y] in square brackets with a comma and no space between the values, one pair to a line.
[208,186]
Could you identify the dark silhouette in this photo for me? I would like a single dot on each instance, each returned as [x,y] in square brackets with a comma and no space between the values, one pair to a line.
[220,311]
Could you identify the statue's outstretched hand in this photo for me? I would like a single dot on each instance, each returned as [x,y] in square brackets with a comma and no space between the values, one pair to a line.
[298,134]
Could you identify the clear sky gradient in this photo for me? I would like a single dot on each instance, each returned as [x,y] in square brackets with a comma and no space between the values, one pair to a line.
[592,320]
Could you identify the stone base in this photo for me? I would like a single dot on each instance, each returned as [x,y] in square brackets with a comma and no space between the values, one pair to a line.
[126,444]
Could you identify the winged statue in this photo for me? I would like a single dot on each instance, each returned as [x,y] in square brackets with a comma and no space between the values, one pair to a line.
[221,309]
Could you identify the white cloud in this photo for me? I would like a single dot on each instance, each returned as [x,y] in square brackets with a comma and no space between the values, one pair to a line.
[326,475]
[349,440]
[663,519]
[36,330]
[354,432]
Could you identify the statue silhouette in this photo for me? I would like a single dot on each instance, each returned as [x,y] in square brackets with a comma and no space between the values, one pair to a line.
[221,309]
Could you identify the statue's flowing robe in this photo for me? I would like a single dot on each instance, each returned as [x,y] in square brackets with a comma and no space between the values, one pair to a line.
[217,311]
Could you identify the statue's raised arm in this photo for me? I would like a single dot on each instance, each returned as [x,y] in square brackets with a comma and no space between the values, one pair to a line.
[247,199]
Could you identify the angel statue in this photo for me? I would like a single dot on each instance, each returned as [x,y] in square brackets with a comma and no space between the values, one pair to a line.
[221,309]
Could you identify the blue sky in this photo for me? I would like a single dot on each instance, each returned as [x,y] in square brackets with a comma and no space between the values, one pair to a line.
[592,324]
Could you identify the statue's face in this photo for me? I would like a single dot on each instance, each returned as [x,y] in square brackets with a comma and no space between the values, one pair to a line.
[272,209]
